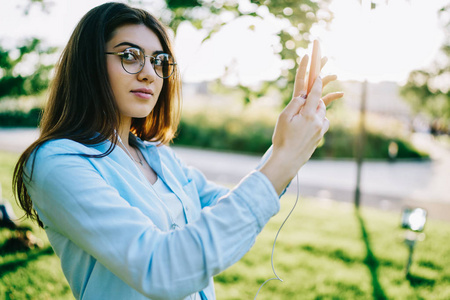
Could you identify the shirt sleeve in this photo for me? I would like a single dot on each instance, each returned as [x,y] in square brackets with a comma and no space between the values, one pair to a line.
[72,198]
[209,192]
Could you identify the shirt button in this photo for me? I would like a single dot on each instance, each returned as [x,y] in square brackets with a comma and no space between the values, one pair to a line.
[187,208]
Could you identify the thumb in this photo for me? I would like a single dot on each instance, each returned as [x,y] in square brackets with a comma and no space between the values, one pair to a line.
[294,106]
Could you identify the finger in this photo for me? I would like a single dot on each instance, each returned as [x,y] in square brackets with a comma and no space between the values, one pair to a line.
[327,79]
[293,107]
[299,84]
[323,62]
[325,127]
[321,110]
[327,99]
[312,101]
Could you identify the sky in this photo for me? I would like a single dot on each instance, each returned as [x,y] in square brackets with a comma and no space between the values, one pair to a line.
[384,44]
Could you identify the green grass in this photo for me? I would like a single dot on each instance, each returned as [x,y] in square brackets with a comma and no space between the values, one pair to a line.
[27,275]
[330,251]
[326,250]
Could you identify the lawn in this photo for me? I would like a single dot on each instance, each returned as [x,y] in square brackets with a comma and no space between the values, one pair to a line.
[326,250]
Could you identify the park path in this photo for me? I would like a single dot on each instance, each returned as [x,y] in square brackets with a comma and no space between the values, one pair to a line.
[384,185]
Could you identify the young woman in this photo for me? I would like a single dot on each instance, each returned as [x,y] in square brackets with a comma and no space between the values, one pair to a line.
[126,217]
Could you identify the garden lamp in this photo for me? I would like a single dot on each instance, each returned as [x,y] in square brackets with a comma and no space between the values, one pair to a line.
[413,220]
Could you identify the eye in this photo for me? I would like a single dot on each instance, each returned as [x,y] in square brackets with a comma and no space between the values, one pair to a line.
[130,55]
[161,60]
[158,62]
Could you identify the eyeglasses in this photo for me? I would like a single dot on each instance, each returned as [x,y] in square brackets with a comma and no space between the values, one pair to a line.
[133,61]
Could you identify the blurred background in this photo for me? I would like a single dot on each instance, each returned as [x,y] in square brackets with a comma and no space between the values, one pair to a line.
[388,147]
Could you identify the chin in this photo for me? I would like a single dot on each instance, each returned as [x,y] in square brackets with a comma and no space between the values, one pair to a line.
[141,115]
[141,112]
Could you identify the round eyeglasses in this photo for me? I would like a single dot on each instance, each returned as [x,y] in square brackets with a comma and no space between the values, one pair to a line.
[133,61]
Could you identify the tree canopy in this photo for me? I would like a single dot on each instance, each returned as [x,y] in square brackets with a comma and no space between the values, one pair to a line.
[22,70]
[428,90]
[299,17]
[205,14]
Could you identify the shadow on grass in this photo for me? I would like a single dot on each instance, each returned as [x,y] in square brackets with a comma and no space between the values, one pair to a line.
[23,261]
[415,280]
[370,260]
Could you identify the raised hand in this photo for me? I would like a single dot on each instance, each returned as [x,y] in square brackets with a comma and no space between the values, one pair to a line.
[302,77]
[299,129]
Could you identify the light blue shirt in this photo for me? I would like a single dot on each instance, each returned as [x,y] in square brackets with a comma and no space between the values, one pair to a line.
[115,237]
[173,203]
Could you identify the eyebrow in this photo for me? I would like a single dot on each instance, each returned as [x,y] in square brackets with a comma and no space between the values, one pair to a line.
[137,46]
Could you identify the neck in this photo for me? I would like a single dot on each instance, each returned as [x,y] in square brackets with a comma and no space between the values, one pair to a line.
[124,131]
[124,143]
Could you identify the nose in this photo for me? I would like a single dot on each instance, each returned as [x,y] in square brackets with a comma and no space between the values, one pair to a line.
[148,72]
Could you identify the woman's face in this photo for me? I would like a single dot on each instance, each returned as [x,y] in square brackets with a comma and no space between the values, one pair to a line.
[136,94]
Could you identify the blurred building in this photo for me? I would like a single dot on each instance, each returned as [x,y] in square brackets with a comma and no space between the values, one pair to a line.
[382,98]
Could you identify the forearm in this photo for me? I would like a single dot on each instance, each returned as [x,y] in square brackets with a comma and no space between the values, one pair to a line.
[279,171]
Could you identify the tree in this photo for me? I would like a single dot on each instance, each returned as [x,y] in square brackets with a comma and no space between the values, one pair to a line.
[15,62]
[428,90]
[22,70]
[299,17]
[205,14]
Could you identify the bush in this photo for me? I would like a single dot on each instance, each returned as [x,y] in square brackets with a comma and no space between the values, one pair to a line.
[341,143]
[228,133]
[251,134]
[18,118]
[251,130]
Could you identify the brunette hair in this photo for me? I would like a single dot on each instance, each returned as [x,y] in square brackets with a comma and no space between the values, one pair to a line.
[81,104]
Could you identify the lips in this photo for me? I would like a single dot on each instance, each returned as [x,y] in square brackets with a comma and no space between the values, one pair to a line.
[143,93]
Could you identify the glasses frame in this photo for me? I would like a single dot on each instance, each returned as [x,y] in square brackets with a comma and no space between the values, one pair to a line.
[122,53]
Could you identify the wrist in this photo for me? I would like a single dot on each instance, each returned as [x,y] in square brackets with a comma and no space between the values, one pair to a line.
[279,171]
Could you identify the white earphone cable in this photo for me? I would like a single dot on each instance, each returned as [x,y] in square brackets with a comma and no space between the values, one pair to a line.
[275,240]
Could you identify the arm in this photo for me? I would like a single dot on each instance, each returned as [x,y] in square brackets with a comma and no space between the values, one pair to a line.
[73,199]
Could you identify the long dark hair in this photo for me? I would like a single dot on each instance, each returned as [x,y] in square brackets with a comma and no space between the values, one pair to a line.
[81,104]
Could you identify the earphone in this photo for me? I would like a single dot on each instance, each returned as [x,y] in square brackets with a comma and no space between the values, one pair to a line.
[315,68]
[275,240]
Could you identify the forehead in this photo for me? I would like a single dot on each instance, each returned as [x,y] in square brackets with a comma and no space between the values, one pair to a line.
[139,35]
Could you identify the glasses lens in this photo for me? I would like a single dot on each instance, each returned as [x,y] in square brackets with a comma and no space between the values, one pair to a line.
[132,60]
[164,65]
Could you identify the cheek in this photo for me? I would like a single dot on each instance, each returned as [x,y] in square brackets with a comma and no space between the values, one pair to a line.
[159,85]
[114,73]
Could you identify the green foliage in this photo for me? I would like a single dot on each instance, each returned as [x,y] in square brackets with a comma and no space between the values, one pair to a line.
[215,131]
[12,82]
[423,98]
[206,15]
[340,143]
[299,17]
[428,90]
[19,118]
[44,5]
[174,4]
[252,132]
